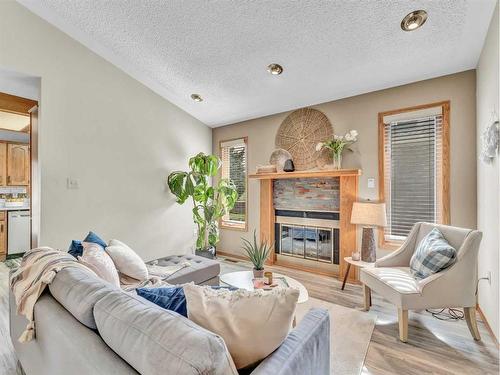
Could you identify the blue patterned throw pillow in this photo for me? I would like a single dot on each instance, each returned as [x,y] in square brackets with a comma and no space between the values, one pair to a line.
[170,298]
[76,247]
[433,254]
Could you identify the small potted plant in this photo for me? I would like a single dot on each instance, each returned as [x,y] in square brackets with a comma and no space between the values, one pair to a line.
[257,253]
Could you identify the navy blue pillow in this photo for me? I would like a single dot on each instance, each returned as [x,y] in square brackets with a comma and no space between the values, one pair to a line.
[94,238]
[170,298]
[76,247]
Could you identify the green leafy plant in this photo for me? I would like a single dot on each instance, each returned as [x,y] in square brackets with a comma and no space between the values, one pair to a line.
[210,202]
[257,252]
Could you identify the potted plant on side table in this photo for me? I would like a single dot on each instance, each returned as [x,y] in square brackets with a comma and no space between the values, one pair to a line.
[258,254]
[211,202]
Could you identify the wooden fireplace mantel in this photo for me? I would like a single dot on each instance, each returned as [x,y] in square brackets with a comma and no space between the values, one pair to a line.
[348,195]
[307,174]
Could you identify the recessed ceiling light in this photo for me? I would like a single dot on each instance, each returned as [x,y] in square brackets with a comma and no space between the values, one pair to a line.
[275,69]
[196,98]
[414,20]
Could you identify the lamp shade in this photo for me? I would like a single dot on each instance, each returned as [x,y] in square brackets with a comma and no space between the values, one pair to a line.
[367,213]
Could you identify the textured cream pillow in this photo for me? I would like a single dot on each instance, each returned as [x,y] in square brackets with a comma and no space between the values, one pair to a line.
[252,324]
[95,258]
[127,261]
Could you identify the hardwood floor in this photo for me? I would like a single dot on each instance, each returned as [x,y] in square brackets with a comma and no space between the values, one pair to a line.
[433,347]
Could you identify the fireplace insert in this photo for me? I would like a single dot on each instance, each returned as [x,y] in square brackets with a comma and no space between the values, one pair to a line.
[305,236]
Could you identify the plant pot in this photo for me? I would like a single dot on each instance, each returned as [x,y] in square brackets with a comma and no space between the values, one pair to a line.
[258,274]
[209,252]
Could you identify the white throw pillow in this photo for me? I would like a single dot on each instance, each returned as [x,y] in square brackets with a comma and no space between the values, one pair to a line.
[252,324]
[95,258]
[127,261]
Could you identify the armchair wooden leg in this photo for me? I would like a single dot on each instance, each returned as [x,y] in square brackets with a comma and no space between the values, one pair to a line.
[470,318]
[403,324]
[367,294]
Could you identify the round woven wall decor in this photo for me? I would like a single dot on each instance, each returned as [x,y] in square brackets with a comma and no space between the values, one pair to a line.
[299,134]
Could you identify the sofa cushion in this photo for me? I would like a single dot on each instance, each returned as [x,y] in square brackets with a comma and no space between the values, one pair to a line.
[252,323]
[157,341]
[76,246]
[127,261]
[432,255]
[78,291]
[170,298]
[95,258]
[200,270]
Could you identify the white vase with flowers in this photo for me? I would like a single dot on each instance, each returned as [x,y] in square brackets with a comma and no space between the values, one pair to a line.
[337,146]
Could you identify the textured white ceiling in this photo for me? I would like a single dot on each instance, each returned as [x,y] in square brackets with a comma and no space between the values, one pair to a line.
[220,49]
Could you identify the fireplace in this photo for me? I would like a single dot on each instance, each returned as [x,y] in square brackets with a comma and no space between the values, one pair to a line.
[308,235]
[306,215]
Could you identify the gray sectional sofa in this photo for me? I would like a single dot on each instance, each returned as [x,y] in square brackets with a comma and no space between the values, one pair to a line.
[86,326]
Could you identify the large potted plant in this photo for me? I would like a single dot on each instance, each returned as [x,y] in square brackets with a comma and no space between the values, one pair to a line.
[257,253]
[210,202]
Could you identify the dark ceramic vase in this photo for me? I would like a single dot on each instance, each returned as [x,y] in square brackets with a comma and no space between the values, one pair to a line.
[288,166]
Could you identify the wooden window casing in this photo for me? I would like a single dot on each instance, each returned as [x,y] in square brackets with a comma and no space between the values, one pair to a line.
[224,153]
[442,167]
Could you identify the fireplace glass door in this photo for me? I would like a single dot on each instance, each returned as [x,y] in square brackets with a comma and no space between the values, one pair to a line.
[286,240]
[306,242]
[298,242]
[325,245]
[311,243]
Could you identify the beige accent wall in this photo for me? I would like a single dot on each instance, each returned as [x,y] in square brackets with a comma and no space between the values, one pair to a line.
[488,179]
[115,136]
[360,113]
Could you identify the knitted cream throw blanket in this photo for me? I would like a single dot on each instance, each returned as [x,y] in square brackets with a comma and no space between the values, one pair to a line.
[38,268]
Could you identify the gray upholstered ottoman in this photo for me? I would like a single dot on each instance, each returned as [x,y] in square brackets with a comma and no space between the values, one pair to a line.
[201,271]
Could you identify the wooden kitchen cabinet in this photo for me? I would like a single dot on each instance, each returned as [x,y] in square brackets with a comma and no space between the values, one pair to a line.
[3,164]
[3,236]
[18,164]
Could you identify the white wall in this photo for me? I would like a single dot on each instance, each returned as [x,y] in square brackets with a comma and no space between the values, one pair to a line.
[19,84]
[111,133]
[360,113]
[488,178]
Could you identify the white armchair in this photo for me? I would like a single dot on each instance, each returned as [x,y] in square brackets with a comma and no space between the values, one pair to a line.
[453,287]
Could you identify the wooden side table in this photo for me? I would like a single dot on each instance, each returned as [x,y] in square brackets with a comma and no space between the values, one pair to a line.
[355,263]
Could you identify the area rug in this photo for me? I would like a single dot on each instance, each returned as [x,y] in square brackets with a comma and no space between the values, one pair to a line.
[350,334]
[350,330]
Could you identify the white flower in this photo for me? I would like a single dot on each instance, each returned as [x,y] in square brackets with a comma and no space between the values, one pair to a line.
[337,137]
[348,137]
[319,146]
[354,133]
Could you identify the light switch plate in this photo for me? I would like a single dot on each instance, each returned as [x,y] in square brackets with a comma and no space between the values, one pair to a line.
[371,183]
[72,183]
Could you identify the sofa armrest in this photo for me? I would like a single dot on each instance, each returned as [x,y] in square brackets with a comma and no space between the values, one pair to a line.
[401,257]
[306,349]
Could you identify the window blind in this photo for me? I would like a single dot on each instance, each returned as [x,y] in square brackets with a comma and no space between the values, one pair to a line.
[234,167]
[413,163]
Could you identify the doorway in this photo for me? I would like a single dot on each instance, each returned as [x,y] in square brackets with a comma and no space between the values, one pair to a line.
[18,120]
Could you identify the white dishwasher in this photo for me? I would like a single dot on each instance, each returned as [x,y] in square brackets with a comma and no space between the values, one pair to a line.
[18,232]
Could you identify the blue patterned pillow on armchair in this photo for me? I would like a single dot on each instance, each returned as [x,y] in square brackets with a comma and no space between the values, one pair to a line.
[433,254]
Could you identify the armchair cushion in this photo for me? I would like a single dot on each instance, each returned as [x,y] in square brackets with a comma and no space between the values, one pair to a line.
[432,255]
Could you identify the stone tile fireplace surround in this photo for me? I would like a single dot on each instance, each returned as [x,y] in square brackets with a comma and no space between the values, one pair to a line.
[307,215]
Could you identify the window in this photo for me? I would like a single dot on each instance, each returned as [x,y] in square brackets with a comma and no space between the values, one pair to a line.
[414,163]
[234,167]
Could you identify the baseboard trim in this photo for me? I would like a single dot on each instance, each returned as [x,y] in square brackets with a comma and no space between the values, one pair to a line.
[229,255]
[488,327]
